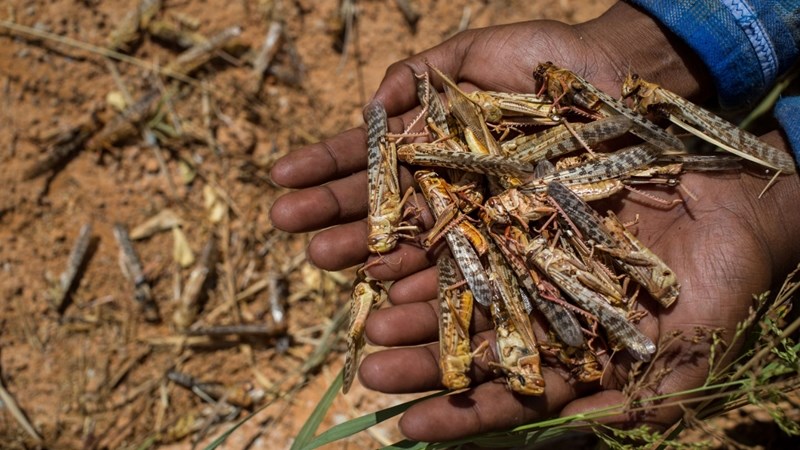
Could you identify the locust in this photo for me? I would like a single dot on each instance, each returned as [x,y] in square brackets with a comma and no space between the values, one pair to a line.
[442,126]
[592,180]
[194,57]
[642,264]
[560,140]
[200,278]
[597,274]
[432,105]
[565,85]
[561,319]
[522,366]
[436,155]
[366,294]
[521,151]
[385,204]
[610,236]
[476,132]
[580,361]
[242,395]
[128,31]
[513,205]
[437,121]
[64,147]
[650,97]
[476,108]
[615,165]
[529,108]
[455,313]
[563,270]
[516,344]
[458,237]
[75,264]
[702,163]
[131,267]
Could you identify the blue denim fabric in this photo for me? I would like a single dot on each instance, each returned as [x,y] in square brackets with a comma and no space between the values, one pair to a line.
[787,111]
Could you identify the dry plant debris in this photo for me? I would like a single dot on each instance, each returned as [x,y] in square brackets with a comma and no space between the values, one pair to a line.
[115,112]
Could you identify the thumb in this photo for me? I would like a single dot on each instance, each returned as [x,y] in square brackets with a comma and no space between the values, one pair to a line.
[397,91]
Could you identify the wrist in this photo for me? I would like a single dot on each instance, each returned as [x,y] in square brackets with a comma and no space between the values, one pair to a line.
[632,41]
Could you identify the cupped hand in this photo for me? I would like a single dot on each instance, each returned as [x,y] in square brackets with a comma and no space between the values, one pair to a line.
[717,245]
[724,247]
[330,174]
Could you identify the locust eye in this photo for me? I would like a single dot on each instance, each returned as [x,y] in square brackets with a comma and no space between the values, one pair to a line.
[635,77]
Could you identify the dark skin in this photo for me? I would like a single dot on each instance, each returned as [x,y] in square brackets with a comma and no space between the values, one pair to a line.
[725,246]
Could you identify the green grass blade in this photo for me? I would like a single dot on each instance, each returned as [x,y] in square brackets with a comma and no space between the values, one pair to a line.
[526,439]
[359,424]
[532,435]
[405,444]
[306,433]
[768,102]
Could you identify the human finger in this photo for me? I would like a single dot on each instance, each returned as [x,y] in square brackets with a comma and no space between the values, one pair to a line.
[416,369]
[411,324]
[401,262]
[417,287]
[397,91]
[488,407]
[339,247]
[344,246]
[414,324]
[340,201]
[327,160]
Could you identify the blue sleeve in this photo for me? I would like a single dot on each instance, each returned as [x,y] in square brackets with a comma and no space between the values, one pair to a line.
[787,111]
[745,44]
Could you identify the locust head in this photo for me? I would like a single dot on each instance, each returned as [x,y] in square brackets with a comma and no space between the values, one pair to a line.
[494,211]
[382,237]
[527,378]
[631,85]
[453,369]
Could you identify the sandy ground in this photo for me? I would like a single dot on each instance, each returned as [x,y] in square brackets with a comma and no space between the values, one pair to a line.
[92,372]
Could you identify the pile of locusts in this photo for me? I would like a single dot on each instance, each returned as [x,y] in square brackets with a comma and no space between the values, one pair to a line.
[512,209]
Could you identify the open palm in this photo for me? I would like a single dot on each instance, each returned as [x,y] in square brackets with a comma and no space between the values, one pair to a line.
[717,249]
[724,246]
